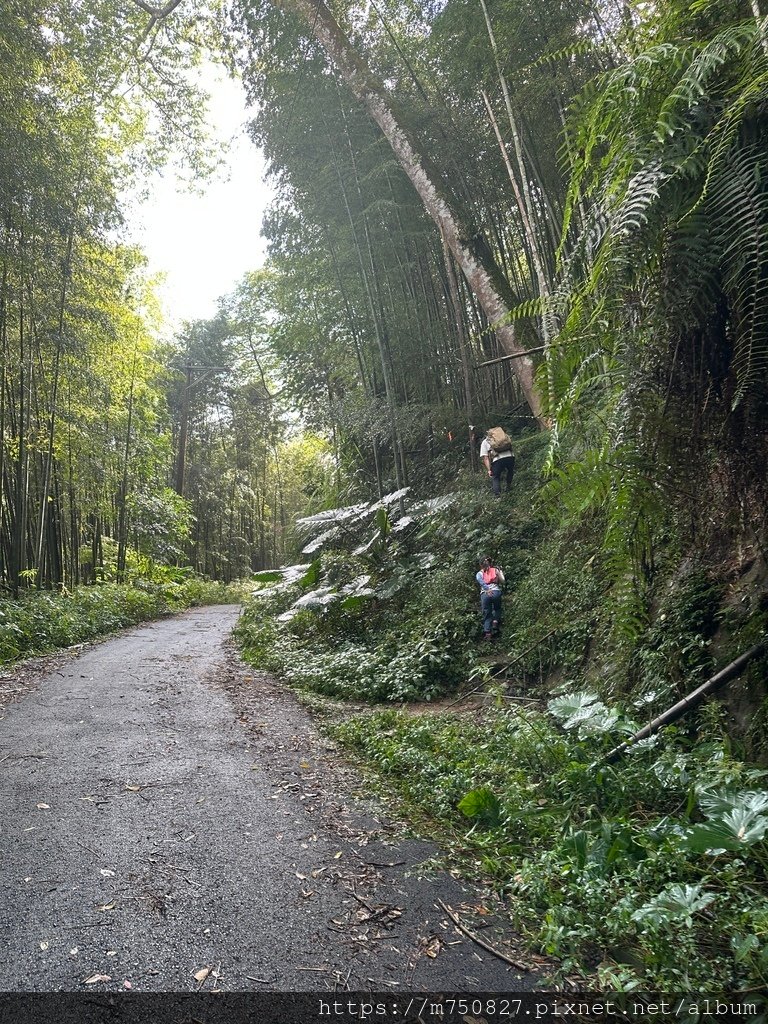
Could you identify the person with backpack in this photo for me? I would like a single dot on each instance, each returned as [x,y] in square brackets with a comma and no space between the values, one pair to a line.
[496,453]
[491,580]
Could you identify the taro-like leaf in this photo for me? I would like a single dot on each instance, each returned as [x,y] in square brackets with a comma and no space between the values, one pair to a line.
[403,523]
[318,542]
[431,506]
[391,498]
[331,516]
[732,831]
[583,711]
[267,576]
[677,903]
[390,587]
[312,575]
[716,802]
[317,598]
[482,804]
[571,704]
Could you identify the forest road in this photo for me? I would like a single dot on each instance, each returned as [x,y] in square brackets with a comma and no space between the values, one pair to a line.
[164,811]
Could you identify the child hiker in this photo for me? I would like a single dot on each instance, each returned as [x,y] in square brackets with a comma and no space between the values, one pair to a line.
[490,579]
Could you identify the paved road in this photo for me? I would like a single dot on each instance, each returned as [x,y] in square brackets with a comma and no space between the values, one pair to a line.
[152,828]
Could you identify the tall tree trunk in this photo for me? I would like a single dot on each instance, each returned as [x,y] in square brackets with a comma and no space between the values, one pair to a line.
[483,276]
[122,519]
[49,458]
[20,510]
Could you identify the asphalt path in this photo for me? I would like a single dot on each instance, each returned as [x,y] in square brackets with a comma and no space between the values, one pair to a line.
[170,821]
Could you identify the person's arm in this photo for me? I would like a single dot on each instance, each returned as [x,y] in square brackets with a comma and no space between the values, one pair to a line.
[485,456]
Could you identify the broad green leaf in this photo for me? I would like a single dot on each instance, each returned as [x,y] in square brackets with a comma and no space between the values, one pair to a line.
[482,804]
[268,576]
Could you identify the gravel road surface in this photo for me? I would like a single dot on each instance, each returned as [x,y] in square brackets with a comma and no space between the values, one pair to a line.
[170,821]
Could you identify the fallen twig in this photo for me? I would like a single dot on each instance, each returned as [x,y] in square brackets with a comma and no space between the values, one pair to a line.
[90,849]
[481,942]
[362,902]
[382,864]
[464,696]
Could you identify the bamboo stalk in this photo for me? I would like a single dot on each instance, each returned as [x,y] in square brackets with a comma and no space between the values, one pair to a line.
[689,702]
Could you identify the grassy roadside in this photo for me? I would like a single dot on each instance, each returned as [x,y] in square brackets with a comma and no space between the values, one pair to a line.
[43,621]
[613,870]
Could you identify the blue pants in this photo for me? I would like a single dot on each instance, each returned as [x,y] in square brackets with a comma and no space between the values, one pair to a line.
[490,604]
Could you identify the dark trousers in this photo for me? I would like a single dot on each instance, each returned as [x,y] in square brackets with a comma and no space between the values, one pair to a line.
[499,467]
[490,606]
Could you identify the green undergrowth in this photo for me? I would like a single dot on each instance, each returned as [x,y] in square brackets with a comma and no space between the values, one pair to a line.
[649,873]
[394,615]
[43,621]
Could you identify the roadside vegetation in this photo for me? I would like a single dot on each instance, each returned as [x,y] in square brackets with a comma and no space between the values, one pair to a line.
[548,216]
[648,873]
[627,213]
[44,621]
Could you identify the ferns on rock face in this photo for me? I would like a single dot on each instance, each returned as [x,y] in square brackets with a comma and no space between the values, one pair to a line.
[740,216]
[663,292]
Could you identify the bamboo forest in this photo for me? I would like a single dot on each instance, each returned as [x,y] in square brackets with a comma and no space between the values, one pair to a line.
[466,462]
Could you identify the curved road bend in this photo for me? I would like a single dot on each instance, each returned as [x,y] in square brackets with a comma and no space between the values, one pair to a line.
[144,839]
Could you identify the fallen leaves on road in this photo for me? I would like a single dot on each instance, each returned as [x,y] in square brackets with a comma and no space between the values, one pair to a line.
[431,945]
[202,974]
[43,945]
[43,807]
[96,978]
[132,787]
[107,873]
[106,906]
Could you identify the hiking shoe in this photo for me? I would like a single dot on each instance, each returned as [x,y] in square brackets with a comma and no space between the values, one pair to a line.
[487,636]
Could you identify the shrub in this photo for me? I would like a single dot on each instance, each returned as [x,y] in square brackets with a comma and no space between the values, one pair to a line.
[41,621]
[604,867]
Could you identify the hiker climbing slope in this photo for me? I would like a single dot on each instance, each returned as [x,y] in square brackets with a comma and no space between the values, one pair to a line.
[496,453]
[490,578]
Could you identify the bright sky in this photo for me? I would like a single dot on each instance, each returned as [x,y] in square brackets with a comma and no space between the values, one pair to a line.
[204,241]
